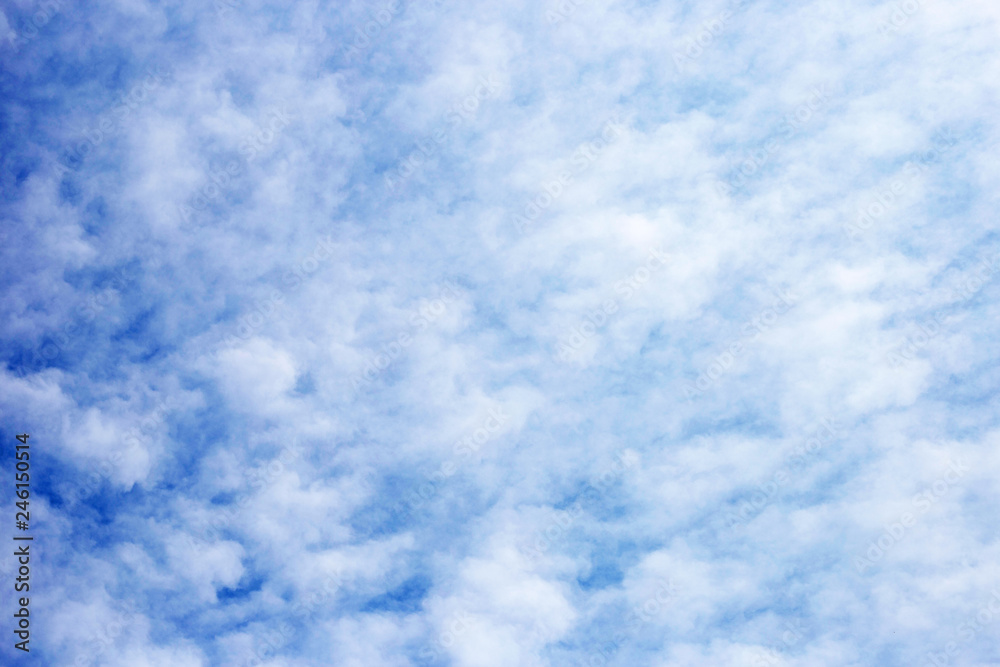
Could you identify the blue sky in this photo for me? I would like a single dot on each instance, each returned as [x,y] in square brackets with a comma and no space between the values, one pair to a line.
[482,334]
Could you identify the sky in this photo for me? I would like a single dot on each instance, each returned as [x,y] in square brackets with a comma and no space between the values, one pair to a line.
[478,334]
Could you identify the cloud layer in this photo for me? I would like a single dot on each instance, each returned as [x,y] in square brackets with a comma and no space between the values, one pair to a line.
[477,334]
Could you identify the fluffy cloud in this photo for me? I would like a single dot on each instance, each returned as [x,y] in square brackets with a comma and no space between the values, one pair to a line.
[422,333]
